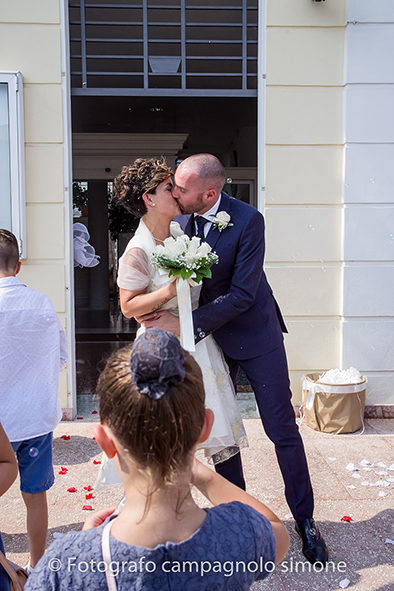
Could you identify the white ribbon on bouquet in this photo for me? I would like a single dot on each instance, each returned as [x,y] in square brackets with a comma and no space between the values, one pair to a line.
[185,313]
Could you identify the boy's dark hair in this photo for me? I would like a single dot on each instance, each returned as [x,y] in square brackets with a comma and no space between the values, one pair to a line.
[9,251]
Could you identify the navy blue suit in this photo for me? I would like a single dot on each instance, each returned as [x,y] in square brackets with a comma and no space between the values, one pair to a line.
[237,306]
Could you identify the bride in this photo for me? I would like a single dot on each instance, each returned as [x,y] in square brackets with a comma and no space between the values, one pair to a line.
[144,189]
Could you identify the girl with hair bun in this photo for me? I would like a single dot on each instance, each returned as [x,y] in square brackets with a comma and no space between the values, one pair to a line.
[144,189]
[153,416]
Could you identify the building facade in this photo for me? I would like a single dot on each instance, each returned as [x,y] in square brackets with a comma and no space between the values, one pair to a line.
[295,97]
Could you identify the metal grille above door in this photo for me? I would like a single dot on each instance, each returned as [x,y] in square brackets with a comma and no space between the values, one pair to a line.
[164,47]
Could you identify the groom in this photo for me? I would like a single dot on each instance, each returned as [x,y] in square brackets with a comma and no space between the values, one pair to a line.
[237,306]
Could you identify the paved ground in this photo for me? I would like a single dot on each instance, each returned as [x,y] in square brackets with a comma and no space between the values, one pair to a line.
[360,544]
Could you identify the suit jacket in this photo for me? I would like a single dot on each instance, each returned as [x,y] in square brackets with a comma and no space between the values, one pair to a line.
[237,304]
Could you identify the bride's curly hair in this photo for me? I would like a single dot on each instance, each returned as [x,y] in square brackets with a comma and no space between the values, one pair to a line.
[143,176]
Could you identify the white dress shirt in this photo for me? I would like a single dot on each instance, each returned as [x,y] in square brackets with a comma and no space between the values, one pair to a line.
[32,351]
[213,211]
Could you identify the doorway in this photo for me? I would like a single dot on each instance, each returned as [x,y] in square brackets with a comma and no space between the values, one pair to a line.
[151,79]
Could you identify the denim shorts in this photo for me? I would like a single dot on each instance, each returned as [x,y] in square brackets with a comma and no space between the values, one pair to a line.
[35,463]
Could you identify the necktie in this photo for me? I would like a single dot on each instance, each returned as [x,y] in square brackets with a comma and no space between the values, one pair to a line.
[200,221]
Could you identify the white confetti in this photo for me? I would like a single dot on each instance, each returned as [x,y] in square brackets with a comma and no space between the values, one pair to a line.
[288,516]
[341,376]
[391,467]
[351,467]
[388,541]
[350,486]
[355,475]
[382,493]
[381,465]
[365,463]
[380,483]
[381,472]
[344,583]
[390,478]
[332,459]
[368,469]
[365,483]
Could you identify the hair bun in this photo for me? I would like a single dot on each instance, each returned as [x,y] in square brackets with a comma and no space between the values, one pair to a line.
[157,362]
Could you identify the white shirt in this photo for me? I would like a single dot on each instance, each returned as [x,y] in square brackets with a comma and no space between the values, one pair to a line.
[212,211]
[32,351]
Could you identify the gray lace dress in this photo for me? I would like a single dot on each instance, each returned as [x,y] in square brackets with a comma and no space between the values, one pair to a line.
[234,547]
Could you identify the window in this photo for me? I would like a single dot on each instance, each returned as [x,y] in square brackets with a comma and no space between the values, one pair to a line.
[164,47]
[12,161]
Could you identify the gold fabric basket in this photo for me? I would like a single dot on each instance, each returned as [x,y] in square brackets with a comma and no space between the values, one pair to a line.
[333,408]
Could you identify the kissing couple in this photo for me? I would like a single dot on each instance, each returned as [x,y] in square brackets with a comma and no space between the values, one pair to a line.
[237,322]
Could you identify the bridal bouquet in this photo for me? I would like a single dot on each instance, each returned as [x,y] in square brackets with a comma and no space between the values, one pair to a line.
[189,261]
[185,257]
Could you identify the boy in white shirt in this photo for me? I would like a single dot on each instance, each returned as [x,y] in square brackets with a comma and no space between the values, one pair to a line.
[32,351]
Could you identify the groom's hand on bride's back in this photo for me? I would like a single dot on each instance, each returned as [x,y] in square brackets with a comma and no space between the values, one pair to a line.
[160,319]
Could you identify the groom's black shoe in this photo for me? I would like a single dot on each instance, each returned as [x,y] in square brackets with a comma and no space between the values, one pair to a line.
[313,546]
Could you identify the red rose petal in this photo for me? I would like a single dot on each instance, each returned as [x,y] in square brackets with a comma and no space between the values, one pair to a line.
[62,471]
[65,437]
[87,487]
[94,412]
[89,496]
[72,489]
[87,508]
[96,462]
[94,438]
[79,418]
[346,518]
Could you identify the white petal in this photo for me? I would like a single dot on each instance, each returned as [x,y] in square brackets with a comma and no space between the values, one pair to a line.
[351,467]
[380,483]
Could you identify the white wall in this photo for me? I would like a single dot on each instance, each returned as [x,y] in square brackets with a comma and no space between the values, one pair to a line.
[368,298]
[304,177]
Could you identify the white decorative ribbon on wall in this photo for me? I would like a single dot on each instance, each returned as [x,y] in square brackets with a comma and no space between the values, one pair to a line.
[84,253]
[185,314]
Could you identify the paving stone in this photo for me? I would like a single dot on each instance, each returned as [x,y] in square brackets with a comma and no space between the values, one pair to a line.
[359,544]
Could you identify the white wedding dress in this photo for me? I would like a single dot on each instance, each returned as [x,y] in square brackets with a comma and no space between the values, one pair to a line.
[137,272]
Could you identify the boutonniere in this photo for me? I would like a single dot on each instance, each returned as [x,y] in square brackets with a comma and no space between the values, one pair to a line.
[221,220]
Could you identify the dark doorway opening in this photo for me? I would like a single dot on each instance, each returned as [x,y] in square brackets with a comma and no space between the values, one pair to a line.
[224,126]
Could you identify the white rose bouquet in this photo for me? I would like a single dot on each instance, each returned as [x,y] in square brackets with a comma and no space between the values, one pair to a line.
[185,257]
[189,261]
